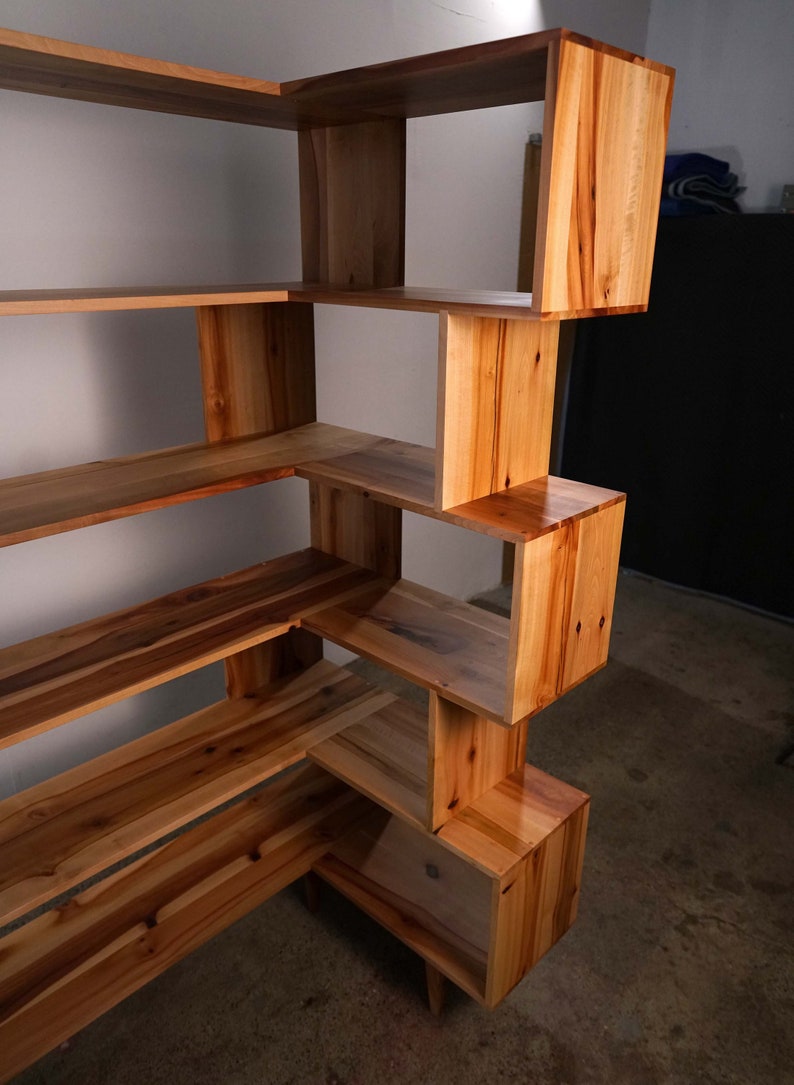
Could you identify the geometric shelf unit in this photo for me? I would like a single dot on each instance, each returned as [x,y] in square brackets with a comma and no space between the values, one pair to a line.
[431,822]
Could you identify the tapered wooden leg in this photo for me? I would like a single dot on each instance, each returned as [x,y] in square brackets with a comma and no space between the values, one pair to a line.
[312,887]
[436,983]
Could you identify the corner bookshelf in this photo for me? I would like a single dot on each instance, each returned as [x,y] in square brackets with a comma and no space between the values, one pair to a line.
[431,822]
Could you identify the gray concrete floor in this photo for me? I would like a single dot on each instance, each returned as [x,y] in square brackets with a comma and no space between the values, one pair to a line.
[679,969]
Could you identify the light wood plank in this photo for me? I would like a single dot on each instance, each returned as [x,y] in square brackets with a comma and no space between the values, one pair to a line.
[466,756]
[257,368]
[430,898]
[109,299]
[495,405]
[70,965]
[257,375]
[66,829]
[420,299]
[57,677]
[604,138]
[563,599]
[352,196]
[384,757]
[500,829]
[356,529]
[36,505]
[453,648]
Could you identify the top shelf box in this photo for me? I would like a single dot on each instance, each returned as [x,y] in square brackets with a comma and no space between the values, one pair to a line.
[503,72]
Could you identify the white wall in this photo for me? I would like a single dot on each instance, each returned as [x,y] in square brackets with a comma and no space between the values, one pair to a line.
[92,195]
[734,93]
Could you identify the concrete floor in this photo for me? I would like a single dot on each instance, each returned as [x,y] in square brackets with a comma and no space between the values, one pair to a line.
[679,969]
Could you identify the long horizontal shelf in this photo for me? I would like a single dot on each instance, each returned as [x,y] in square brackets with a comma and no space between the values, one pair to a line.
[384,756]
[455,649]
[62,970]
[36,505]
[394,472]
[64,830]
[495,73]
[495,303]
[57,677]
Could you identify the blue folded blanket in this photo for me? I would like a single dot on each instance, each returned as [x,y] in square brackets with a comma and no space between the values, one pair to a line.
[697,184]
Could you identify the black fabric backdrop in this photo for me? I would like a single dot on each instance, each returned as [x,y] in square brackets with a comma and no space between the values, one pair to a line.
[688,408]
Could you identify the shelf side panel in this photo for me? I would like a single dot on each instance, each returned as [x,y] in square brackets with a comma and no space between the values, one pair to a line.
[604,139]
[352,197]
[563,599]
[258,375]
[357,529]
[495,405]
[467,755]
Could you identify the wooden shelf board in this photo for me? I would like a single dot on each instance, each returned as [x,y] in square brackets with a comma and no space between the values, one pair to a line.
[68,828]
[66,967]
[496,73]
[465,966]
[455,649]
[500,828]
[495,303]
[59,676]
[403,474]
[384,757]
[37,505]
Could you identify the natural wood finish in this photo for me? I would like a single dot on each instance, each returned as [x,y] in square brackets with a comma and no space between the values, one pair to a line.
[604,136]
[394,472]
[436,989]
[562,608]
[466,756]
[110,299]
[352,195]
[36,505]
[57,677]
[495,402]
[66,829]
[70,965]
[500,829]
[384,757]
[455,649]
[257,368]
[257,375]
[430,898]
[312,886]
[418,299]
[355,529]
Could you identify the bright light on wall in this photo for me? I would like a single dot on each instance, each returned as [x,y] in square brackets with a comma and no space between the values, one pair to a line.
[518,16]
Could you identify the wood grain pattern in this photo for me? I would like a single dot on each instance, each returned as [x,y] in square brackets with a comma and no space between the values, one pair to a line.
[68,828]
[427,896]
[257,368]
[257,375]
[352,196]
[384,757]
[495,404]
[563,598]
[604,137]
[466,756]
[355,529]
[109,299]
[418,299]
[536,905]
[45,503]
[70,965]
[59,676]
[453,648]
[501,828]
[436,989]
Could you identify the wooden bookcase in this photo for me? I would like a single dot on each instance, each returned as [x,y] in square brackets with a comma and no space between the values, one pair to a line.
[431,822]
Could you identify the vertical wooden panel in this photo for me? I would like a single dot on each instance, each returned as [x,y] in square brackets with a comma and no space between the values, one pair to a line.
[257,372]
[467,754]
[535,904]
[563,599]
[257,367]
[604,138]
[356,529]
[352,193]
[592,595]
[495,405]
